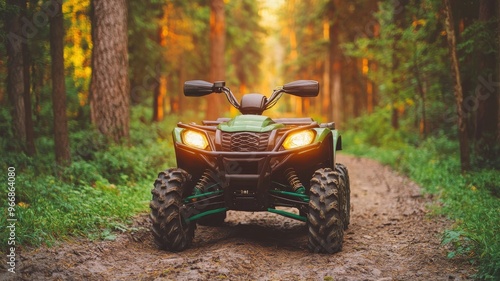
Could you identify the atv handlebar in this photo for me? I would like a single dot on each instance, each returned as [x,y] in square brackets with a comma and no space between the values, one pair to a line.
[268,102]
[258,103]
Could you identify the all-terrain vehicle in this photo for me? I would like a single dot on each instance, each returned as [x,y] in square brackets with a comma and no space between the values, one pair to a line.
[253,163]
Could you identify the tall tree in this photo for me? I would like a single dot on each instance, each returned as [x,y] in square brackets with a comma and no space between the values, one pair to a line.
[462,124]
[30,131]
[498,71]
[336,64]
[487,95]
[217,47]
[160,89]
[61,137]
[109,87]
[326,107]
[15,80]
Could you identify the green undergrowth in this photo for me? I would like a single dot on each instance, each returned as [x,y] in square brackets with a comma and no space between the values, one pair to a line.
[97,195]
[470,200]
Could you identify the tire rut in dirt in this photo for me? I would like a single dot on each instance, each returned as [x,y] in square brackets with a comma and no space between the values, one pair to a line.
[170,229]
[325,218]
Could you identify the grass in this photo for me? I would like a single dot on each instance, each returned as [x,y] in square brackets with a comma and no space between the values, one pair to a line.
[105,185]
[470,200]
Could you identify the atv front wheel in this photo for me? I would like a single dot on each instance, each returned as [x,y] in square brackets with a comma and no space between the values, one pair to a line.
[171,230]
[325,217]
[345,188]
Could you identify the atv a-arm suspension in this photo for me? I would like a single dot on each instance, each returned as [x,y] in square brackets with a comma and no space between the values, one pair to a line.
[191,203]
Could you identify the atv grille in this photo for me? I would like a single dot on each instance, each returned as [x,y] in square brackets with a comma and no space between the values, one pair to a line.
[245,142]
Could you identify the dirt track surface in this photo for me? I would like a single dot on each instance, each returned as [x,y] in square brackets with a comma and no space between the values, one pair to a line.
[390,238]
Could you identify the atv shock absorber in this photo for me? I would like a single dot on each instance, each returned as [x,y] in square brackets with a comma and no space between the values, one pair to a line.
[201,185]
[294,181]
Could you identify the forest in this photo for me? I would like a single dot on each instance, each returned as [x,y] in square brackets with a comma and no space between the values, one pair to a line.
[90,91]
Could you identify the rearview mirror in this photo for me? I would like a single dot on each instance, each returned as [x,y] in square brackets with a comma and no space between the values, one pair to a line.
[198,88]
[302,88]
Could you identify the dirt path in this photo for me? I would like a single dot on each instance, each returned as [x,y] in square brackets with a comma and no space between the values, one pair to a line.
[390,238]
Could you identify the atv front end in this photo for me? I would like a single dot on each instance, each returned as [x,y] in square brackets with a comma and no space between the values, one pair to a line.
[253,163]
[252,167]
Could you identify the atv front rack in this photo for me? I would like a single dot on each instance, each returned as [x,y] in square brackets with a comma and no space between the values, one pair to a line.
[284,121]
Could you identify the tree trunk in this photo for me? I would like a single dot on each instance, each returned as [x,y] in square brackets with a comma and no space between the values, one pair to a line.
[486,95]
[462,124]
[109,86]
[30,131]
[336,67]
[371,88]
[397,20]
[61,137]
[394,117]
[180,89]
[15,80]
[423,96]
[325,88]
[217,46]
[160,89]
[498,72]
[160,95]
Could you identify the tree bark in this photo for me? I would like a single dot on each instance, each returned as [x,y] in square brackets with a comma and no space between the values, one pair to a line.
[498,72]
[397,20]
[486,95]
[325,88]
[462,124]
[371,88]
[109,86]
[217,47]
[15,79]
[30,130]
[160,90]
[61,137]
[336,67]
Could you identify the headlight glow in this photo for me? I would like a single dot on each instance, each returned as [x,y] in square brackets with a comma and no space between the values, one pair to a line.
[299,139]
[194,139]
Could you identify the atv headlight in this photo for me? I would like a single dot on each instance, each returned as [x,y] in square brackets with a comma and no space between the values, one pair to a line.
[299,139]
[194,139]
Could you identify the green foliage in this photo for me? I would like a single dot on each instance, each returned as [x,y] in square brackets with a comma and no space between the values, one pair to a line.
[144,47]
[244,41]
[476,38]
[49,209]
[105,185]
[375,130]
[411,58]
[470,200]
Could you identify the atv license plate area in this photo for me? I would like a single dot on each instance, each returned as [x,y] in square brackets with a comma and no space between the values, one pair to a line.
[242,192]
[242,167]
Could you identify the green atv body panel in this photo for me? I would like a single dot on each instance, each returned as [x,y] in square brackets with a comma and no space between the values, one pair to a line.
[250,123]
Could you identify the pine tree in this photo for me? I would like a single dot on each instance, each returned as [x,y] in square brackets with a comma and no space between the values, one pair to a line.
[109,88]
